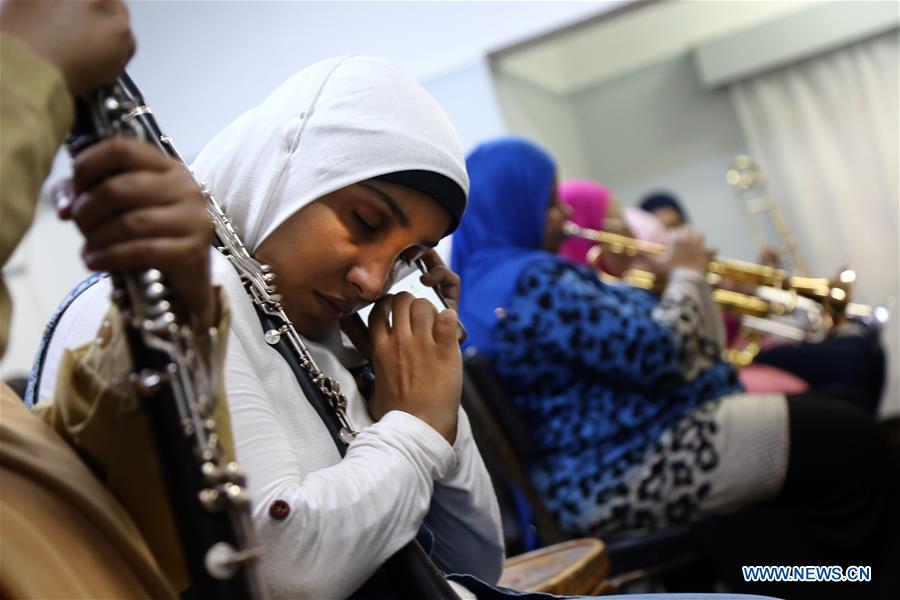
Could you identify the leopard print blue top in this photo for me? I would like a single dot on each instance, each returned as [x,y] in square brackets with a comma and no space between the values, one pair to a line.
[599,372]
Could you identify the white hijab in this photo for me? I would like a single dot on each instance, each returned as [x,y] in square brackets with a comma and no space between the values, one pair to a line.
[335,123]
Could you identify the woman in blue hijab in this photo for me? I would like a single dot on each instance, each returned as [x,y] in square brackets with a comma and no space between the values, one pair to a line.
[598,376]
[638,422]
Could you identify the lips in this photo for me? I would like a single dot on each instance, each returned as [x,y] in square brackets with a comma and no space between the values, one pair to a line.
[333,307]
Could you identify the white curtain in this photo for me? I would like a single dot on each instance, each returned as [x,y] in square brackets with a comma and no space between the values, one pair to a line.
[825,131]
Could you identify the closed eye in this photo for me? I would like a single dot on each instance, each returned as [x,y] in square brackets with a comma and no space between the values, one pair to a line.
[363,223]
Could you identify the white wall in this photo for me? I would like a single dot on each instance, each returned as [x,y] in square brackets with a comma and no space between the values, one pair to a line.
[201,64]
[653,128]
[467,94]
[45,266]
[547,118]
[635,39]
[658,128]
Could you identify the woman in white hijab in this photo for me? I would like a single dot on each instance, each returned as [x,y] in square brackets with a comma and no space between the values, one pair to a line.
[347,167]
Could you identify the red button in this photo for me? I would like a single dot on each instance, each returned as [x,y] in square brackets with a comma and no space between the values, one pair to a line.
[279,510]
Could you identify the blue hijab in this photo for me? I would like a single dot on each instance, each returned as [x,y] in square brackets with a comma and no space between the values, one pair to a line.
[510,184]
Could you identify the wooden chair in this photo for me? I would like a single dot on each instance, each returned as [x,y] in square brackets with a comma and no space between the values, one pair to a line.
[574,568]
[527,522]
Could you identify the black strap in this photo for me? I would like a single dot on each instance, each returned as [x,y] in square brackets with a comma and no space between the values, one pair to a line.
[313,394]
[33,389]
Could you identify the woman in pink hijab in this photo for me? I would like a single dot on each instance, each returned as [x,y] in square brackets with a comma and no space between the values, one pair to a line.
[592,206]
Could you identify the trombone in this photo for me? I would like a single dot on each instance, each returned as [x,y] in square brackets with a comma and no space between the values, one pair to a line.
[764,218]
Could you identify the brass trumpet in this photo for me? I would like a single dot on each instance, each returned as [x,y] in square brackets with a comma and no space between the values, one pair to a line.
[833,295]
[823,302]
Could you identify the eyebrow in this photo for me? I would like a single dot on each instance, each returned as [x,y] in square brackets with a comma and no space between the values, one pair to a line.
[393,207]
[389,201]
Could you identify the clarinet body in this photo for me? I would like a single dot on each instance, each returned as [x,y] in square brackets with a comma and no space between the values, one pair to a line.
[208,498]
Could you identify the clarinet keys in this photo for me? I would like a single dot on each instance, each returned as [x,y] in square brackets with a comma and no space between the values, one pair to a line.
[223,560]
[273,336]
[147,382]
[226,487]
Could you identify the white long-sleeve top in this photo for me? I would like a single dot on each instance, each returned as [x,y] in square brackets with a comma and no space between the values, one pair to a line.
[347,516]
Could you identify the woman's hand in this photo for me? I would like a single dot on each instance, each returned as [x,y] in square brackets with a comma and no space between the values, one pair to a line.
[687,250]
[139,209]
[441,278]
[770,256]
[417,361]
[89,41]
[446,282]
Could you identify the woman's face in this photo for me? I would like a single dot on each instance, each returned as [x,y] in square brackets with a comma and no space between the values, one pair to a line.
[670,217]
[335,255]
[557,214]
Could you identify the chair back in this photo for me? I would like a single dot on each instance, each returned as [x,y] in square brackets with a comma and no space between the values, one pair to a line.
[506,446]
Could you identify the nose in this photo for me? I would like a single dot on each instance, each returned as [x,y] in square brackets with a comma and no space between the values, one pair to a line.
[370,276]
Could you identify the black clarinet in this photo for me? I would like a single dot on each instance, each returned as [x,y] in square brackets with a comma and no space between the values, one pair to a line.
[208,497]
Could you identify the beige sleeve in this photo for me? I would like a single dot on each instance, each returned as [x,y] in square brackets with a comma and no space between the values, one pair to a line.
[36,110]
[688,309]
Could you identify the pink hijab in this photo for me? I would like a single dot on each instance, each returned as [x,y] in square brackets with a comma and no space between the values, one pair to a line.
[588,201]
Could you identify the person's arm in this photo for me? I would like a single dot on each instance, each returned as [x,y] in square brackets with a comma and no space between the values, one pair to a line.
[50,51]
[344,520]
[35,113]
[464,514]
[688,309]
[687,306]
[137,209]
